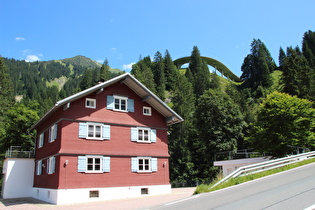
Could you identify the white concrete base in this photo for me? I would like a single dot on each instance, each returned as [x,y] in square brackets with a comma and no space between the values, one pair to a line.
[18,176]
[228,166]
[71,196]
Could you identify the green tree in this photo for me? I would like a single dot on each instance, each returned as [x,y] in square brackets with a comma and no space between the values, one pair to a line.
[282,56]
[220,124]
[283,123]
[18,121]
[143,72]
[6,94]
[170,70]
[86,81]
[308,47]
[297,75]
[200,72]
[6,89]
[104,71]
[159,76]
[182,134]
[257,67]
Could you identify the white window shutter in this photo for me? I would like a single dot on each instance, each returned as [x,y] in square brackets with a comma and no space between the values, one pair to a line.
[47,166]
[106,132]
[106,164]
[55,132]
[131,105]
[154,165]
[82,130]
[134,164]
[153,135]
[134,134]
[39,167]
[110,102]
[53,165]
[81,163]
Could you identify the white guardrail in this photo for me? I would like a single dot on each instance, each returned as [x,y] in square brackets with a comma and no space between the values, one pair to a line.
[267,165]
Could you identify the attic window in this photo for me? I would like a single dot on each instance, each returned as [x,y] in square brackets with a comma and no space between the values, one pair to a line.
[147,111]
[90,103]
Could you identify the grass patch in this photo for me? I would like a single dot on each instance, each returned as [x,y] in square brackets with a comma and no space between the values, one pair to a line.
[235,181]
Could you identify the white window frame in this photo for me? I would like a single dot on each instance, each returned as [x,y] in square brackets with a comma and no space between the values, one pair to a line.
[51,165]
[141,135]
[52,132]
[89,101]
[39,165]
[94,164]
[94,131]
[147,111]
[41,140]
[143,164]
[120,99]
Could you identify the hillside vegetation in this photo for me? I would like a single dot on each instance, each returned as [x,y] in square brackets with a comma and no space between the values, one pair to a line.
[270,110]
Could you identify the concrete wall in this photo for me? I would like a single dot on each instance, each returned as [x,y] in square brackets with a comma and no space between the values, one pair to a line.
[228,166]
[18,177]
[70,196]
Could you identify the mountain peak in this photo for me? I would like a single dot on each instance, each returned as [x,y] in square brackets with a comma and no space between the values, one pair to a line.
[81,60]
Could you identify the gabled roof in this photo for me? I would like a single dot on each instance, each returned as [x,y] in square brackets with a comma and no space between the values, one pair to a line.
[155,102]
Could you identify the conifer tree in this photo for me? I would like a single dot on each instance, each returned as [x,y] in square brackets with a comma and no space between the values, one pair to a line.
[143,72]
[104,71]
[308,47]
[257,67]
[282,56]
[200,72]
[182,135]
[297,75]
[6,96]
[170,70]
[159,76]
[86,81]
[6,89]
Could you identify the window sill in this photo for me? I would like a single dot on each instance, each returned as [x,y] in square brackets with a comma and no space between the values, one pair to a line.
[144,142]
[94,172]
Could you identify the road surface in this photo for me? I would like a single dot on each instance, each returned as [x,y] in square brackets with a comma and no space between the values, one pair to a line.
[292,189]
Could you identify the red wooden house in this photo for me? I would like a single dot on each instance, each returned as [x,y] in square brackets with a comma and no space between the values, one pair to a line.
[106,142]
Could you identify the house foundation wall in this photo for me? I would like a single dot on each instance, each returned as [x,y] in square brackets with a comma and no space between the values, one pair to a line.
[71,196]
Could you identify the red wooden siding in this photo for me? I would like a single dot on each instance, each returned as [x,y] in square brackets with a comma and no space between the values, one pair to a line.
[68,146]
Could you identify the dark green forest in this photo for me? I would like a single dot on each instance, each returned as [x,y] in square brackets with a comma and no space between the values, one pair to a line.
[271,110]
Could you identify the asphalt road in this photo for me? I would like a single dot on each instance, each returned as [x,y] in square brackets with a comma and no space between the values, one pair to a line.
[293,189]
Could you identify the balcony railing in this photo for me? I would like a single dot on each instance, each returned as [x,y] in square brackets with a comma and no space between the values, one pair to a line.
[239,154]
[17,152]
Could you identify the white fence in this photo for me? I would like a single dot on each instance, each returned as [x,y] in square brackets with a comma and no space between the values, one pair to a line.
[267,165]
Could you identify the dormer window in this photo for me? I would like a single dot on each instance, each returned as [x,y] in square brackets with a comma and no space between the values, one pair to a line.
[90,103]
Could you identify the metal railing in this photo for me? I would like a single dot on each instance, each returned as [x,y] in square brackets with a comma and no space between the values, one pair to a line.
[267,165]
[239,154]
[17,152]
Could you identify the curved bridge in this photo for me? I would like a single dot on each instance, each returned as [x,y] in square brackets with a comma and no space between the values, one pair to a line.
[212,62]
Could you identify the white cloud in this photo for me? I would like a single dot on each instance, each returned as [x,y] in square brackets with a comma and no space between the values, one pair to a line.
[32,58]
[19,38]
[127,67]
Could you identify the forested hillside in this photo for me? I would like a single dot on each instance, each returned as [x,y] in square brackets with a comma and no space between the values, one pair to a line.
[272,110]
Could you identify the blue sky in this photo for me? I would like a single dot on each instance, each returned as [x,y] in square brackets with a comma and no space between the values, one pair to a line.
[122,31]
